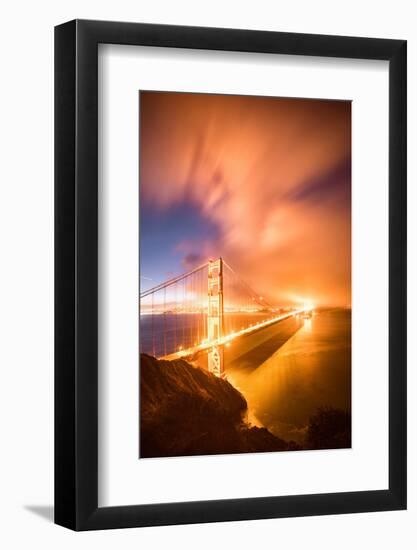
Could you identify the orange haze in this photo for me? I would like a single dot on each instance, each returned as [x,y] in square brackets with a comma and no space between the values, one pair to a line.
[272,174]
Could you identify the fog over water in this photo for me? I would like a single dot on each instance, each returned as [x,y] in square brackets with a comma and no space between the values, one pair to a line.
[311,369]
[285,371]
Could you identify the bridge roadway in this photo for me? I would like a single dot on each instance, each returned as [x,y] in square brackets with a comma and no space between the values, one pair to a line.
[247,352]
[230,339]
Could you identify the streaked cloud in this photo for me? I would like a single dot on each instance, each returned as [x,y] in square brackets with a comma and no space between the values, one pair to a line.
[273,176]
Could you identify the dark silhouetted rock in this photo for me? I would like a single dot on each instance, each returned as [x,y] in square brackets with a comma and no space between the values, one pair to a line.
[188,411]
[329,429]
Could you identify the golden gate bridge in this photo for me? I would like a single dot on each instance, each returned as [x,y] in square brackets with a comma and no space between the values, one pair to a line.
[203,311]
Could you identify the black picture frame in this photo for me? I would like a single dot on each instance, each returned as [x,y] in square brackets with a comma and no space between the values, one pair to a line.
[76,272]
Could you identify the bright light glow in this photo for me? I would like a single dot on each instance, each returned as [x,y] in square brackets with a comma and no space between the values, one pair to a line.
[224,340]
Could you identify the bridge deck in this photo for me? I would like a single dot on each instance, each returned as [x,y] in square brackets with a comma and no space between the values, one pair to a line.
[224,340]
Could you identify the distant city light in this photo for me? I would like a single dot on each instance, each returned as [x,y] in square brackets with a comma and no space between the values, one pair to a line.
[308,306]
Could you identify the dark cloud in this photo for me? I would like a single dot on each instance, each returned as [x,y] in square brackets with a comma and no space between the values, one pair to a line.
[192,260]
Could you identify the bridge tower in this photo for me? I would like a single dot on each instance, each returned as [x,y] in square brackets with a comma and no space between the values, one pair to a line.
[215,315]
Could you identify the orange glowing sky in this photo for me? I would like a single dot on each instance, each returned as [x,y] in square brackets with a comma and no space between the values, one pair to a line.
[269,176]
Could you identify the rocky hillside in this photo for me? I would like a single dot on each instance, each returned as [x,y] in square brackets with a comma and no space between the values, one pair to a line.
[188,411]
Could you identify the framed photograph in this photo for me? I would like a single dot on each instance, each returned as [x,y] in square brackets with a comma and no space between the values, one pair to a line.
[230,285]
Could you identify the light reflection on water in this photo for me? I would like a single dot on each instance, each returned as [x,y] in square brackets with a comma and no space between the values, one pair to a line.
[311,370]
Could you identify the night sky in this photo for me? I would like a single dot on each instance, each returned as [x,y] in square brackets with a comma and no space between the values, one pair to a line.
[263,182]
[170,240]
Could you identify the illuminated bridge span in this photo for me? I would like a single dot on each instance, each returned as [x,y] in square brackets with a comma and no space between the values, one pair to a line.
[201,312]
